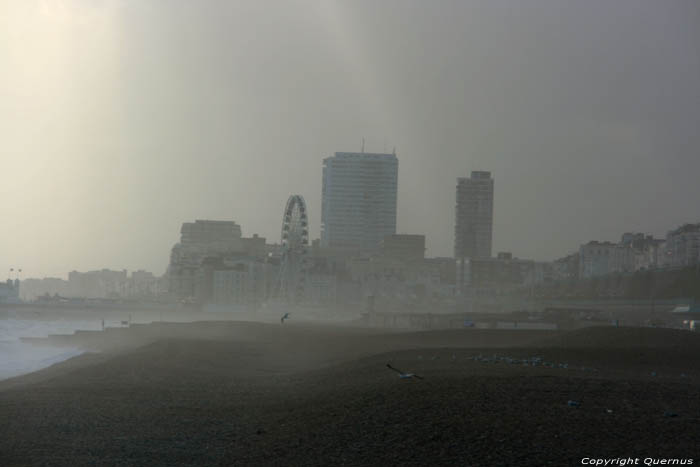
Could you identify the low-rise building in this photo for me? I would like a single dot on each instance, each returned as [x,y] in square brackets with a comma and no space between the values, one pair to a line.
[103,283]
[255,246]
[634,252]
[502,275]
[48,286]
[683,245]
[9,291]
[199,240]
[566,268]
[646,251]
[600,258]
[243,281]
[404,247]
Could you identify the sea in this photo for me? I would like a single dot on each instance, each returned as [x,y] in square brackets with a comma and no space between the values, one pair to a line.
[18,358]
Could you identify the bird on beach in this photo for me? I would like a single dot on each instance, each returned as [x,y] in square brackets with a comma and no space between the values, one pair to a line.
[402,374]
[286,316]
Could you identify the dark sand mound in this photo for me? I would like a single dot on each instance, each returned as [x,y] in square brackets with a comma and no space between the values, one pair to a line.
[624,337]
[315,396]
[626,352]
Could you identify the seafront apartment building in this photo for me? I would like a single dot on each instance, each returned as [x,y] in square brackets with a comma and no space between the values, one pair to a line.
[358,207]
[203,232]
[474,216]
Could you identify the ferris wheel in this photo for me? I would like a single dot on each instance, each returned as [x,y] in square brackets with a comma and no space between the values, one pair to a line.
[295,241]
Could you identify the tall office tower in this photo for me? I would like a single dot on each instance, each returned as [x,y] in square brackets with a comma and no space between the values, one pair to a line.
[474,216]
[358,207]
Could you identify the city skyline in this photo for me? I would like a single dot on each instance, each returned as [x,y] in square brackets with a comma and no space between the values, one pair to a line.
[122,120]
[474,176]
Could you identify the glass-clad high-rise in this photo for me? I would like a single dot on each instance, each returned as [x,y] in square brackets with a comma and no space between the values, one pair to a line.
[358,200]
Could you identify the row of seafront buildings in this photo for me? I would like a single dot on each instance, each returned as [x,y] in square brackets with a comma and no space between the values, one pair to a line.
[506,275]
[223,268]
[636,251]
[98,284]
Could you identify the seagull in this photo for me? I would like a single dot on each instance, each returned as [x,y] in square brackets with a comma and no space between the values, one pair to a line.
[402,374]
[286,316]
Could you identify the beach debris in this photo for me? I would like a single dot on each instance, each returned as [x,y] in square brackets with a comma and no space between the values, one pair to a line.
[608,411]
[403,375]
[670,414]
[653,373]
[571,403]
[284,317]
[527,361]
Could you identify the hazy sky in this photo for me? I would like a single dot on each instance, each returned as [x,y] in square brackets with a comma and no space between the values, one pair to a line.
[119,120]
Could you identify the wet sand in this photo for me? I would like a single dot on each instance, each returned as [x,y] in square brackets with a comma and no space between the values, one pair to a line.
[259,394]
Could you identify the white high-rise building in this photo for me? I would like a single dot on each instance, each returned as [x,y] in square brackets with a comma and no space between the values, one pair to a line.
[358,200]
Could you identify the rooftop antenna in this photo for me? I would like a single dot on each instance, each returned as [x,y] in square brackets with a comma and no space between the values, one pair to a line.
[394,151]
[363,145]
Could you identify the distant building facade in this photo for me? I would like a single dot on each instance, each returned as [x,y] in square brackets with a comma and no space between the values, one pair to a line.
[254,246]
[683,246]
[199,240]
[392,279]
[321,281]
[358,206]
[566,268]
[143,285]
[103,283]
[600,258]
[647,252]
[9,291]
[206,232]
[499,276]
[48,286]
[474,216]
[244,281]
[99,284]
[404,247]
[634,252]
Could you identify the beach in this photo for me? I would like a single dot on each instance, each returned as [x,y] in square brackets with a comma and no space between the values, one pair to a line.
[240,393]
